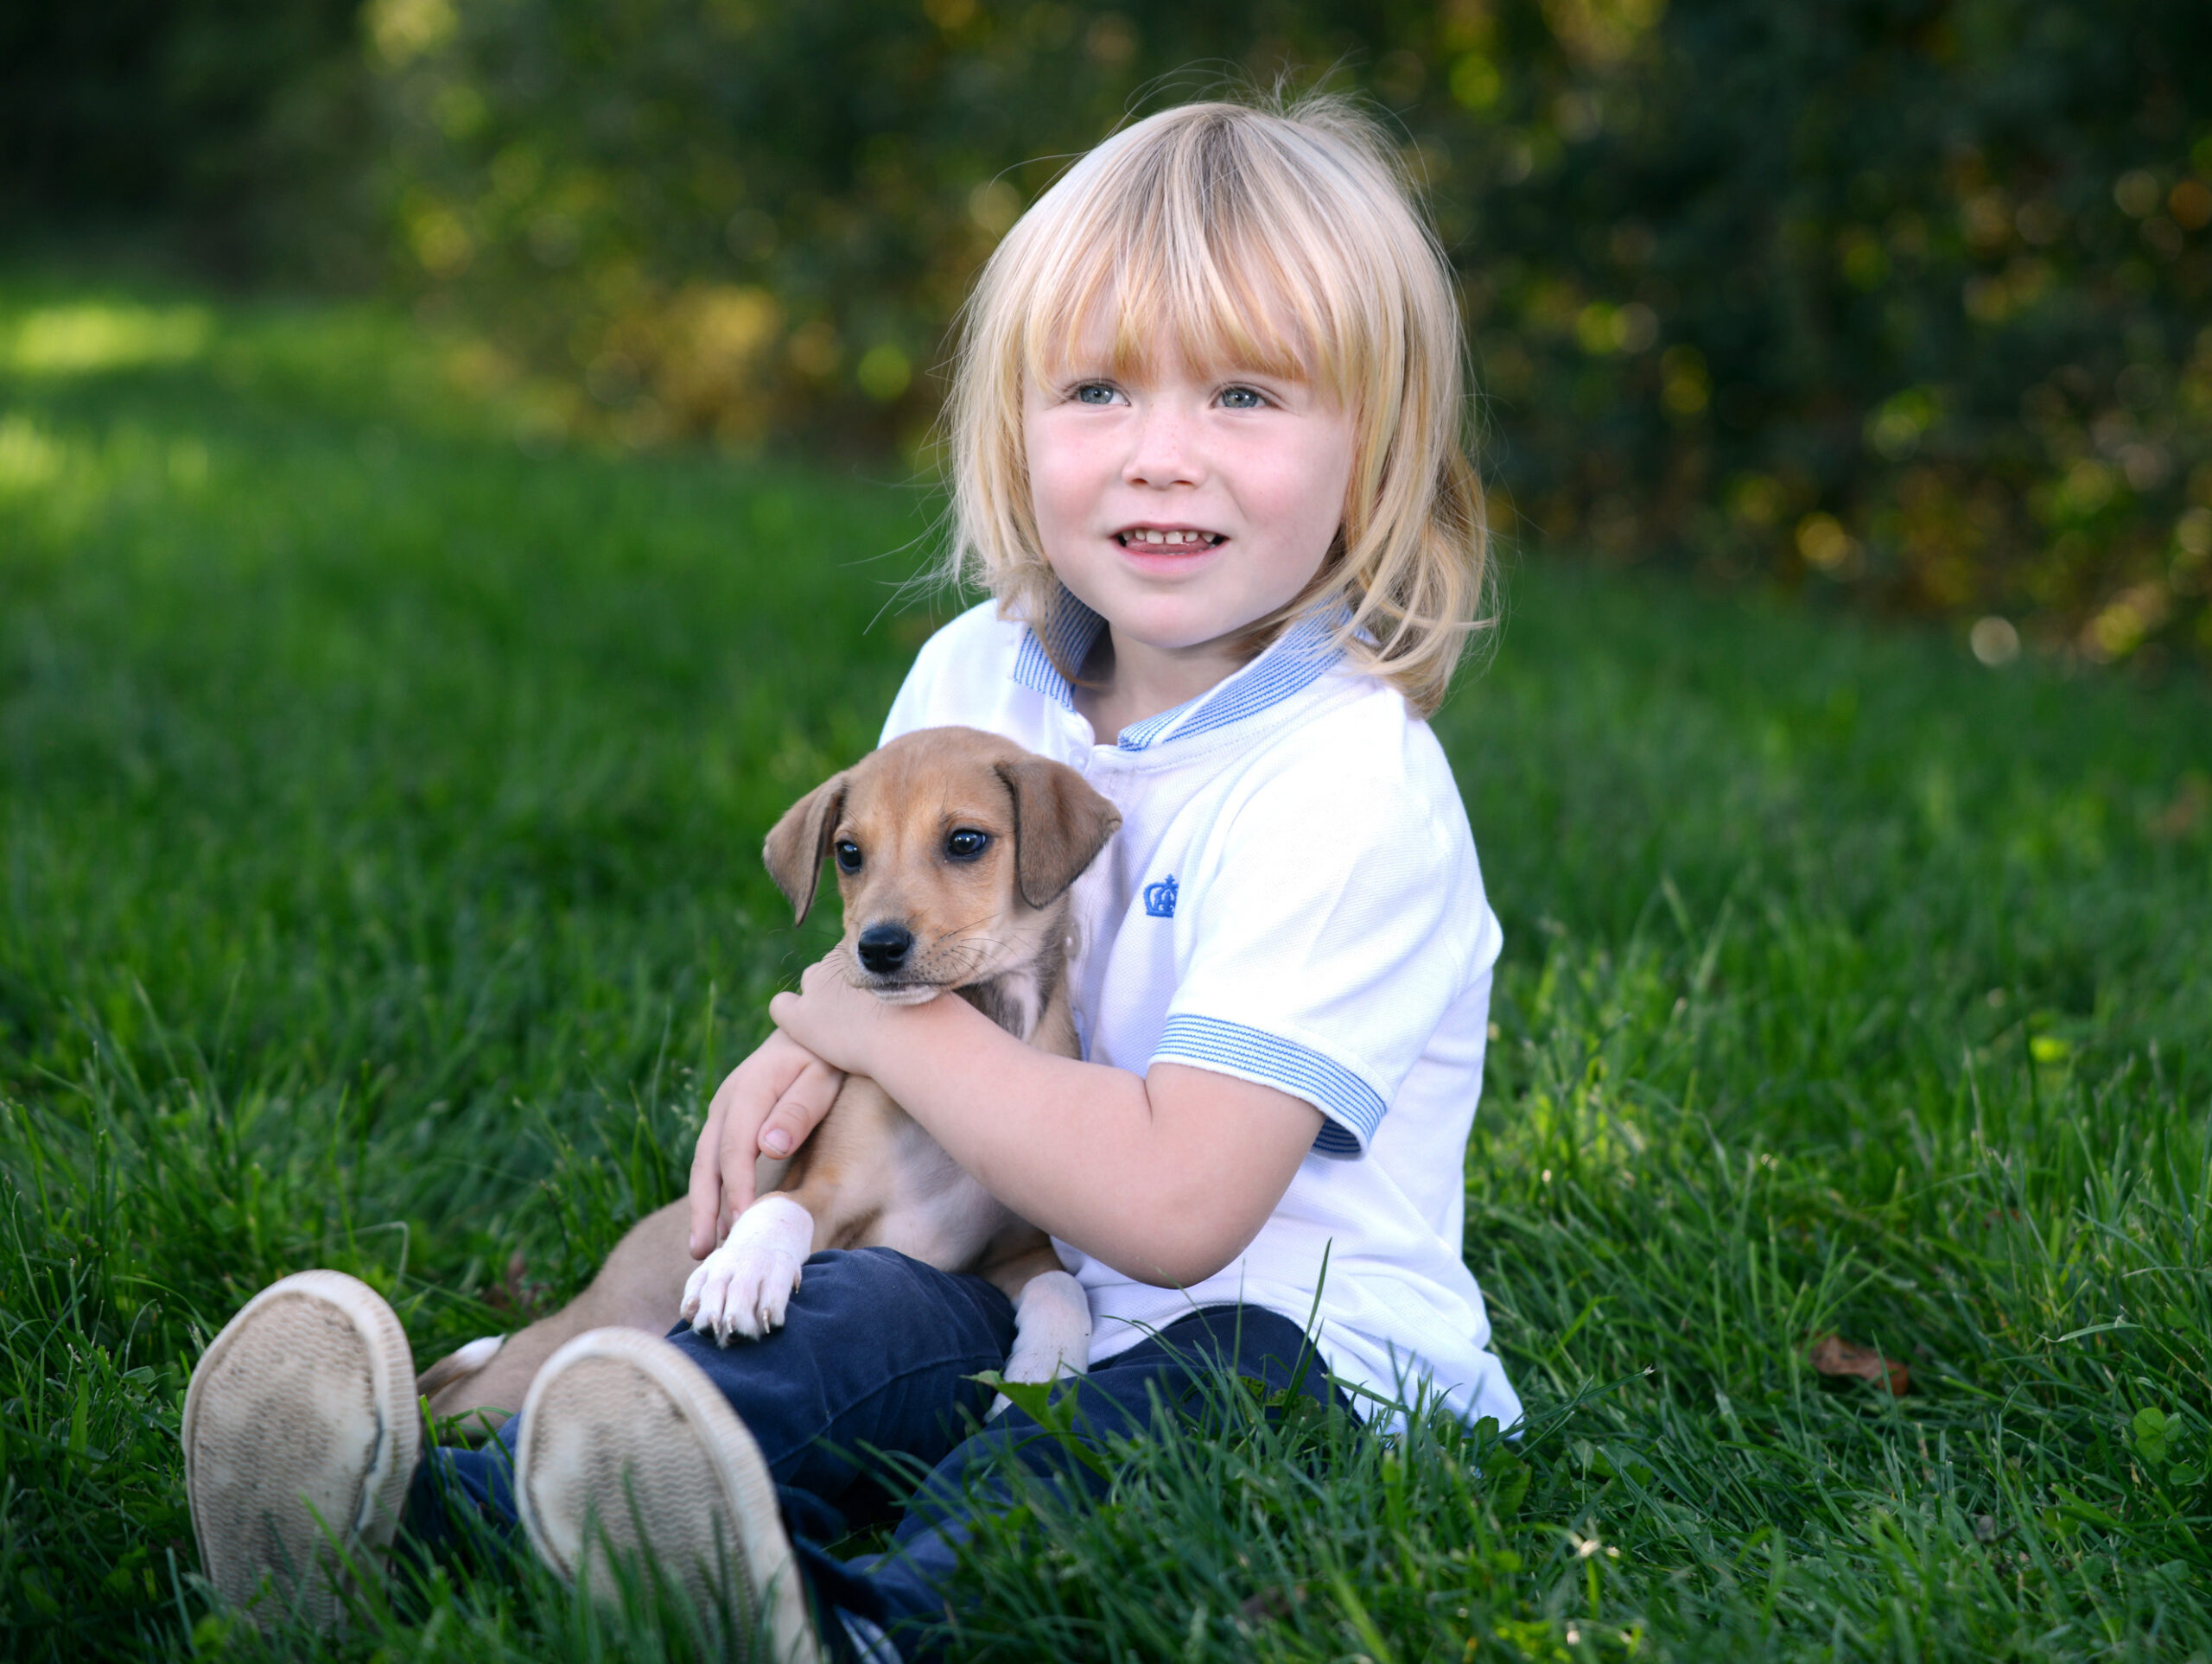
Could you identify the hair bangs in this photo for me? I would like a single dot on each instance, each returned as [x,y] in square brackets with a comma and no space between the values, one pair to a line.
[1186,249]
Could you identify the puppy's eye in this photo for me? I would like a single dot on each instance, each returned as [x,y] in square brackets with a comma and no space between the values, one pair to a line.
[967,843]
[849,855]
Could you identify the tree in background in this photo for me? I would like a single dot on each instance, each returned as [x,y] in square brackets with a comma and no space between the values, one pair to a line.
[239,130]
[1900,299]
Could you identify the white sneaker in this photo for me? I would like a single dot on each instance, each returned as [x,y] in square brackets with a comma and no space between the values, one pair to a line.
[619,1429]
[300,1438]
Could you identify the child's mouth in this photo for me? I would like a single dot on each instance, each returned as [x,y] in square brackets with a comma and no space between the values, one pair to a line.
[1151,537]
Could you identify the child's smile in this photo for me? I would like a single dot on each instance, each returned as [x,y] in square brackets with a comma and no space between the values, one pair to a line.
[1183,505]
[1161,540]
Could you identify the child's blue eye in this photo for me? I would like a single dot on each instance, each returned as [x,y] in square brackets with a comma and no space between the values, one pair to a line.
[1241,398]
[1094,393]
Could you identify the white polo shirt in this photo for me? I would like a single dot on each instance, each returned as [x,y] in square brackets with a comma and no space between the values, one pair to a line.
[1293,899]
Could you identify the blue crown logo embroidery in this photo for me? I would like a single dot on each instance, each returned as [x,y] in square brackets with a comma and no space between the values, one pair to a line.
[1160,899]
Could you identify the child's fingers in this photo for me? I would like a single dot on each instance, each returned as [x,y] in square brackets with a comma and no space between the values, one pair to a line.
[796,1109]
[707,1181]
[800,1110]
[782,1080]
[719,1190]
[735,1161]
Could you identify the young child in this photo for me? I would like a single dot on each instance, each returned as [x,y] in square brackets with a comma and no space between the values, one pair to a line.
[1207,457]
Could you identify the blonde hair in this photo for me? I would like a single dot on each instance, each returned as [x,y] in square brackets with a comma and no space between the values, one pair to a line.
[1283,241]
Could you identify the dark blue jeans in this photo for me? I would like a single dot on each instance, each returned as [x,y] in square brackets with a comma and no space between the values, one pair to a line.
[874,1359]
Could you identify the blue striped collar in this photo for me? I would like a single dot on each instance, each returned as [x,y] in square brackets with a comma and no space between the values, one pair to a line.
[1297,658]
[1073,631]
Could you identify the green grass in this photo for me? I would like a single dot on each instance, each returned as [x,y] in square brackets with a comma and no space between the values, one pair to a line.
[380,810]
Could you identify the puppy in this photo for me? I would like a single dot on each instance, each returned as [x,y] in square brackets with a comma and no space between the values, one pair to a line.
[954,851]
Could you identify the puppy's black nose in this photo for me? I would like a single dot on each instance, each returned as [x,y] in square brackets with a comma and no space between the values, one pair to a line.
[883,947]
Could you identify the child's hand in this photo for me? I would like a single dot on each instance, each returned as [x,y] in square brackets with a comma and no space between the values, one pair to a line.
[833,1020]
[767,1106]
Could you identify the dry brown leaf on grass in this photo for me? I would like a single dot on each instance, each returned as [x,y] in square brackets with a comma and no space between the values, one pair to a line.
[1832,1355]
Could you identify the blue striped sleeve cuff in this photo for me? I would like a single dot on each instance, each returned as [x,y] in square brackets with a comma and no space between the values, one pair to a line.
[1351,1108]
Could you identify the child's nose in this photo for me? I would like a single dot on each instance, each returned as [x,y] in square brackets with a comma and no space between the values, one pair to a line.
[1165,451]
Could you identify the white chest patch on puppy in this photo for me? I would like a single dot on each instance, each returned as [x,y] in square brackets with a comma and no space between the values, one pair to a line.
[744,1286]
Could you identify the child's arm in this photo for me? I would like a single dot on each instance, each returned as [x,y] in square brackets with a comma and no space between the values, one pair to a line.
[1166,1176]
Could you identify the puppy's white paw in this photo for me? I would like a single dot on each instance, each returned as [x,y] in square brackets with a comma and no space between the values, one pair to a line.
[744,1286]
[1052,1332]
[1044,1361]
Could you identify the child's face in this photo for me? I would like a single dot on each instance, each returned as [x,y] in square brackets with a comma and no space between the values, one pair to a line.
[1241,478]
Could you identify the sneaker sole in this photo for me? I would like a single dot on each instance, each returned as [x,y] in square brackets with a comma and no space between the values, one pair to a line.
[299,1438]
[619,1427]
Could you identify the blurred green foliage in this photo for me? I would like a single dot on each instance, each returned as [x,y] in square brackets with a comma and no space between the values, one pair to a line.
[239,127]
[1900,299]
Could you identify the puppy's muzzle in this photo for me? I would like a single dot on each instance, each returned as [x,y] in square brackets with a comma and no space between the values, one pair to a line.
[883,949]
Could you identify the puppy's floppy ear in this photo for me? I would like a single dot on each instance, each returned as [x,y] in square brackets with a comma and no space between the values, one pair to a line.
[1060,825]
[798,842]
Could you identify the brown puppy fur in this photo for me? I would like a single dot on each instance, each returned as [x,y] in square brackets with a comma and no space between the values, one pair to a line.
[991,925]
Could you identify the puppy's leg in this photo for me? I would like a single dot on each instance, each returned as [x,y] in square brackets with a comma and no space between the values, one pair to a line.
[1051,1329]
[1051,1315]
[636,1288]
[458,1365]
[744,1286]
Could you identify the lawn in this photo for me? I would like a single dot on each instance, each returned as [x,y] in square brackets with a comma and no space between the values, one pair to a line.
[380,800]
